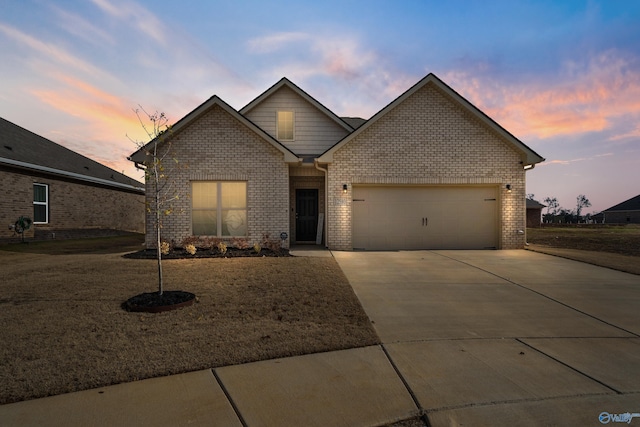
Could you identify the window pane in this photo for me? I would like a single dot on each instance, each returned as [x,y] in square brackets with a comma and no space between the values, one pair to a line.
[234,195]
[285,125]
[39,213]
[204,195]
[234,223]
[204,223]
[39,193]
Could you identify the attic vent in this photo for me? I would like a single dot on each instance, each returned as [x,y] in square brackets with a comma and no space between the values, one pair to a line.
[8,147]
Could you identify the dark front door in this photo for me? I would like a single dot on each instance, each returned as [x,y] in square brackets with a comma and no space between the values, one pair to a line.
[306,215]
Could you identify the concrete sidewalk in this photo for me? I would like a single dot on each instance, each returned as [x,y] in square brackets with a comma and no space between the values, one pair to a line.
[496,338]
[356,387]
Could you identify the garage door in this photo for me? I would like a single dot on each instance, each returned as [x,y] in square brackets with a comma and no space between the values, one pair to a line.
[399,217]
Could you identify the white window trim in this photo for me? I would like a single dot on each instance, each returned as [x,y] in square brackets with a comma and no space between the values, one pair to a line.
[293,124]
[219,209]
[45,203]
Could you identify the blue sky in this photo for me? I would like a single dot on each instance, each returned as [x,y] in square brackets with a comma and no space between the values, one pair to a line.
[562,76]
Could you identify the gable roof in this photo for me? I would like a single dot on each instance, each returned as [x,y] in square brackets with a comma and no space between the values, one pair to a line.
[23,149]
[284,82]
[534,204]
[529,157]
[140,155]
[633,204]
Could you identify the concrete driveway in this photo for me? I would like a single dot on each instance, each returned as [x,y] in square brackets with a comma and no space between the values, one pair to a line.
[505,337]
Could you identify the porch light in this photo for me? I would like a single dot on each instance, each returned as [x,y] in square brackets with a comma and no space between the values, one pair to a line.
[344,188]
[508,188]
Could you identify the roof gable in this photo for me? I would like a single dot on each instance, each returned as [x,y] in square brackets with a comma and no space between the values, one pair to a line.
[284,82]
[140,155]
[26,150]
[633,204]
[529,157]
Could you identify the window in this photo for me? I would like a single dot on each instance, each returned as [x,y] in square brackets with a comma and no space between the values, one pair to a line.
[219,208]
[40,203]
[285,125]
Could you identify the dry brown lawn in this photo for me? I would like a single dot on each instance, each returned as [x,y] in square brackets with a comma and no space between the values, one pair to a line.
[63,328]
[612,246]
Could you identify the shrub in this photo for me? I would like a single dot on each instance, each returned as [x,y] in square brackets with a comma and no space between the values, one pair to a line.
[272,244]
[257,248]
[209,242]
[190,240]
[239,243]
[222,247]
[164,248]
[191,250]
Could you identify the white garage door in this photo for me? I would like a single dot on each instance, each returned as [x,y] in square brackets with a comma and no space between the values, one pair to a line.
[398,217]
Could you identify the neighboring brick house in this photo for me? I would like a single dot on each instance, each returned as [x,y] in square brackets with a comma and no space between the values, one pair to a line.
[627,212]
[534,213]
[428,171]
[64,193]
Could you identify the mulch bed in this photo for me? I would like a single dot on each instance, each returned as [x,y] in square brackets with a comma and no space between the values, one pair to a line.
[208,253]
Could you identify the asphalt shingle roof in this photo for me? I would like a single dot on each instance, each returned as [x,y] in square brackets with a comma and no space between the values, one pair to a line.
[22,148]
[633,204]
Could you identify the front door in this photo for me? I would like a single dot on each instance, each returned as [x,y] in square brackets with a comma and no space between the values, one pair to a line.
[306,215]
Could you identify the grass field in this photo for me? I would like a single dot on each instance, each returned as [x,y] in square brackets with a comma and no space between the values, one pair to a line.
[618,239]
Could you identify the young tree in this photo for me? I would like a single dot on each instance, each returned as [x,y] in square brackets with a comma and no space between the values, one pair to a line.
[581,203]
[158,167]
[552,208]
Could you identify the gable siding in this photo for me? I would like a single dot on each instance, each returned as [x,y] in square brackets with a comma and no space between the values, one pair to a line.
[217,147]
[427,140]
[314,131]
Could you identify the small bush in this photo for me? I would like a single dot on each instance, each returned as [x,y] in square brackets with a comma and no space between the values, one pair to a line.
[190,249]
[209,242]
[190,240]
[239,243]
[164,248]
[272,244]
[222,247]
[257,248]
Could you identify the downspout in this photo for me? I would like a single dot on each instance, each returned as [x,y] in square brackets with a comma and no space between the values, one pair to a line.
[326,202]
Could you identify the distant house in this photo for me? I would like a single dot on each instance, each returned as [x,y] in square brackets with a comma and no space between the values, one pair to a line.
[64,193]
[627,212]
[428,171]
[534,213]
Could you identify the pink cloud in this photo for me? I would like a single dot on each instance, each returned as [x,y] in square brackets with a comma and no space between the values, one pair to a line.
[587,98]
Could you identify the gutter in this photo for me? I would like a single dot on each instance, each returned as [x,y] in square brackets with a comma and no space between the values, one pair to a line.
[326,202]
[77,176]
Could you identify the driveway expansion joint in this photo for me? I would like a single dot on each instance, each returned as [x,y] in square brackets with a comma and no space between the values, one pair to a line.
[569,366]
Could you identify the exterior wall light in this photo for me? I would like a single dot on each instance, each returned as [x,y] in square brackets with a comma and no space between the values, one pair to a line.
[508,188]
[344,188]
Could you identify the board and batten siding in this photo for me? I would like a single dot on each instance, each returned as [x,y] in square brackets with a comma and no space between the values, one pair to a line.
[314,132]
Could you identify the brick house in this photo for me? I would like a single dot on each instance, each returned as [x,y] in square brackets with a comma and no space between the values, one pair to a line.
[64,193]
[428,171]
[627,212]
[534,213]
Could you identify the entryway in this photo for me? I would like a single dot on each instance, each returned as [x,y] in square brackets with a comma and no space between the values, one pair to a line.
[306,215]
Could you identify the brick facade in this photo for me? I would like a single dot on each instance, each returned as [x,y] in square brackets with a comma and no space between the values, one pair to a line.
[428,139]
[72,206]
[429,136]
[217,147]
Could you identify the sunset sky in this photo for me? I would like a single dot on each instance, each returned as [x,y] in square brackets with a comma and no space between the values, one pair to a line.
[562,76]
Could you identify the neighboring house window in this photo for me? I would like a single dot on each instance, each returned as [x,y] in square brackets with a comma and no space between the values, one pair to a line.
[219,208]
[285,126]
[40,203]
